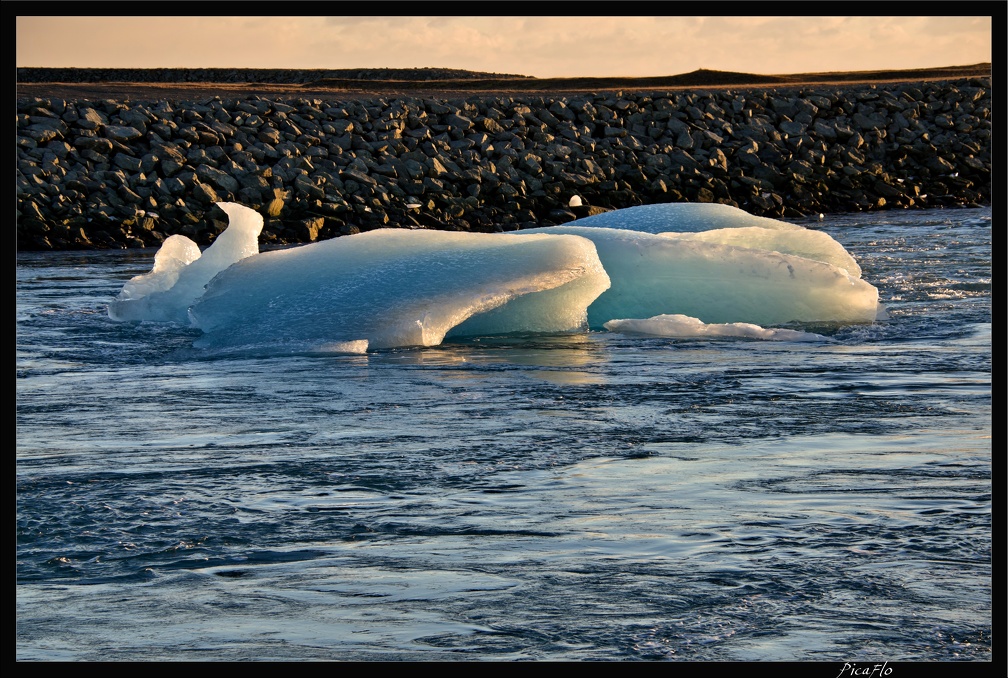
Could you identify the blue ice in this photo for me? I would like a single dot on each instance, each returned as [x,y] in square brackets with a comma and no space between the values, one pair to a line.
[680,270]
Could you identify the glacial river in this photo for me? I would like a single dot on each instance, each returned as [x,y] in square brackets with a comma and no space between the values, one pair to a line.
[585,496]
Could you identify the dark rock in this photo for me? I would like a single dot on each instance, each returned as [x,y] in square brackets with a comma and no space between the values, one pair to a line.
[490,162]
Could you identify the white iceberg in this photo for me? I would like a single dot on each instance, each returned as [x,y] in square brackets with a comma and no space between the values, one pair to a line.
[655,274]
[684,327]
[181,272]
[394,287]
[682,216]
[671,270]
[806,243]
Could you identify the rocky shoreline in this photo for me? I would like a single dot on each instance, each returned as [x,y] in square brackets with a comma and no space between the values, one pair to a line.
[104,173]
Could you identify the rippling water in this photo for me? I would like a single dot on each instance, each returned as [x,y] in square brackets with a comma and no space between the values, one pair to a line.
[579,497]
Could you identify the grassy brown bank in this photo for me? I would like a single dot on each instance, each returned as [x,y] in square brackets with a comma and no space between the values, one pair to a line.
[114,83]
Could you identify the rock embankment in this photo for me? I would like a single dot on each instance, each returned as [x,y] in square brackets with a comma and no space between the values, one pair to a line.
[109,174]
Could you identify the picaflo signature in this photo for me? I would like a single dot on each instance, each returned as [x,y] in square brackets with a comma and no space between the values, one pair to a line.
[865,670]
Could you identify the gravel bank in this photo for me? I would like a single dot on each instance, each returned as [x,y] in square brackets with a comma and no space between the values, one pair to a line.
[122,173]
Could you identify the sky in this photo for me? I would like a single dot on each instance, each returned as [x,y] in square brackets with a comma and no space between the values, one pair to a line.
[540,46]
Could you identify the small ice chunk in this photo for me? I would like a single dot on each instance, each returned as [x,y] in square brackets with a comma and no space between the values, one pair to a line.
[177,252]
[354,347]
[677,326]
[165,294]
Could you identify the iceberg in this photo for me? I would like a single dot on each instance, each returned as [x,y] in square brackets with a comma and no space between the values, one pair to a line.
[395,288]
[678,326]
[680,270]
[682,216]
[664,273]
[814,245]
[181,272]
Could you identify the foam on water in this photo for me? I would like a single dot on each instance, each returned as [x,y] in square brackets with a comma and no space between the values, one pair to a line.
[704,265]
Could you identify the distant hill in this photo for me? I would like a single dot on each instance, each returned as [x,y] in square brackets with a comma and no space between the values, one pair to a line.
[701,77]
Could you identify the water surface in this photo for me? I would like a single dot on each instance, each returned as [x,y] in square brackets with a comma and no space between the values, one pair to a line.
[570,497]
